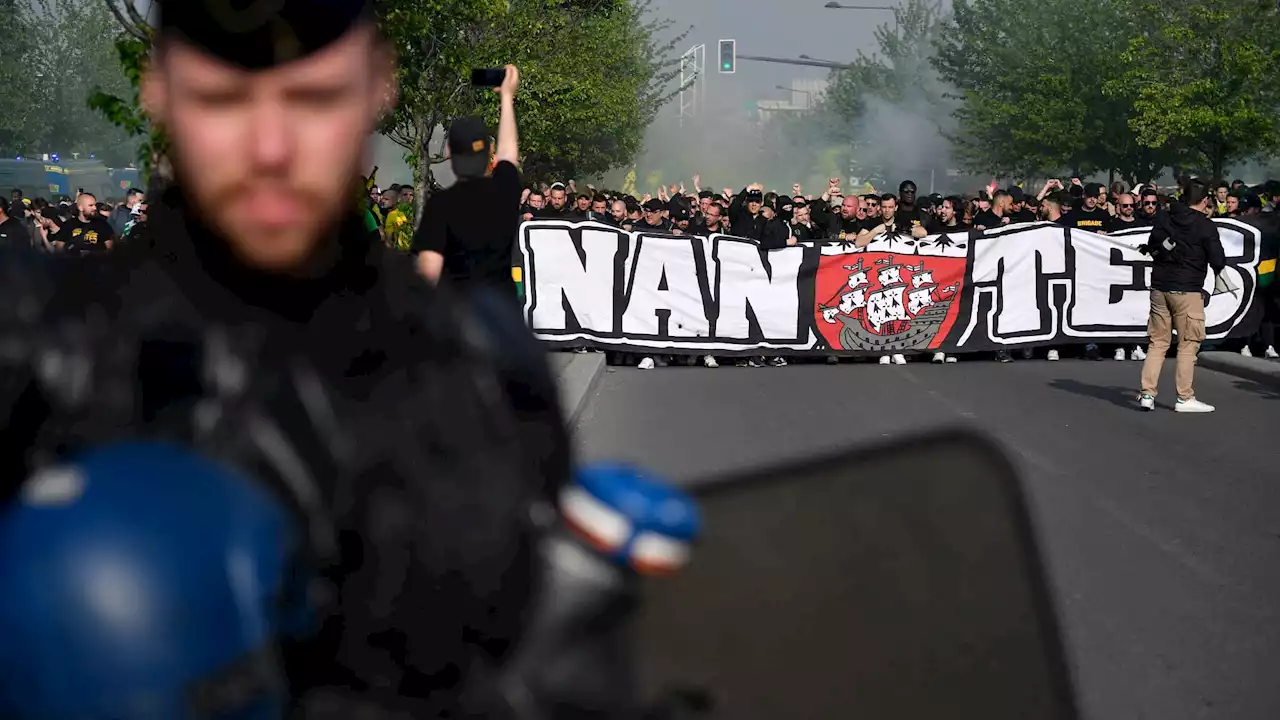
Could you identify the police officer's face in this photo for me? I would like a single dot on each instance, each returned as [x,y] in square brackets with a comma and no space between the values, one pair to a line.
[557,199]
[269,156]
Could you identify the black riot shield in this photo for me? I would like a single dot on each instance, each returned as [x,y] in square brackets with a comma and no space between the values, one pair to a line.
[895,582]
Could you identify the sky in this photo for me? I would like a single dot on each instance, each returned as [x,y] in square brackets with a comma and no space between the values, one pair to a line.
[727,144]
[773,28]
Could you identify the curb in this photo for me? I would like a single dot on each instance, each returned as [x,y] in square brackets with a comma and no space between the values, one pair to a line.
[1266,372]
[576,376]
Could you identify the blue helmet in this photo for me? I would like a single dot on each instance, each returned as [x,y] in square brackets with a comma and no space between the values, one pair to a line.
[141,581]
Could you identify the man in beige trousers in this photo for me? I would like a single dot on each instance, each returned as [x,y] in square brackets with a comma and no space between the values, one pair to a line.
[1184,244]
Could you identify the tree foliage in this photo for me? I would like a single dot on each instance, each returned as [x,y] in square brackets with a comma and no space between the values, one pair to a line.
[896,82]
[57,54]
[1114,86]
[1200,77]
[593,76]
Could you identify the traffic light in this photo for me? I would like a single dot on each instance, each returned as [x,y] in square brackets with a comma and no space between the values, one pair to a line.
[728,56]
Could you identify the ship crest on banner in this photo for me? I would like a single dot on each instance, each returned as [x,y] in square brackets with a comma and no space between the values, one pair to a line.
[883,302]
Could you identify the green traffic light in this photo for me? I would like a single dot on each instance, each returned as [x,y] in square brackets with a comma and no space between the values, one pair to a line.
[727,66]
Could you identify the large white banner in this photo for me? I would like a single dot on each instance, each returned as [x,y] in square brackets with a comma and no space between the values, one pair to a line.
[591,285]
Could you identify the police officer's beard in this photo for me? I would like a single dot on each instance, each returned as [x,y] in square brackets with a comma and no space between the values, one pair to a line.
[297,249]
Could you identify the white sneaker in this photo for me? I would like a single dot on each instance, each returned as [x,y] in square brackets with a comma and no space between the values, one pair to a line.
[939,358]
[899,360]
[1245,351]
[756,362]
[1271,353]
[778,362]
[951,360]
[1051,356]
[1138,354]
[1146,402]
[1119,354]
[708,361]
[885,360]
[646,364]
[1192,406]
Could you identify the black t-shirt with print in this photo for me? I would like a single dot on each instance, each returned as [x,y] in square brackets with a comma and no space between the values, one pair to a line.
[935,227]
[990,221]
[1115,224]
[1094,220]
[474,224]
[85,238]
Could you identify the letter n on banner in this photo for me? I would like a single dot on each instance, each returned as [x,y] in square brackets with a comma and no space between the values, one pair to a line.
[664,291]
[569,277]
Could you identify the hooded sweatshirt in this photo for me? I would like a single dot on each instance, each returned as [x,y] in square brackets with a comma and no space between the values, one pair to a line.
[1184,245]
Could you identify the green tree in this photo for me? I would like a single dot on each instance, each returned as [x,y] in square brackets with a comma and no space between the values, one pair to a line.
[590,87]
[1031,88]
[1201,79]
[121,105]
[590,84]
[56,53]
[897,82]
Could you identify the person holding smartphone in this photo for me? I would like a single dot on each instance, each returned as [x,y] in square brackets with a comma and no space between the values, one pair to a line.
[468,230]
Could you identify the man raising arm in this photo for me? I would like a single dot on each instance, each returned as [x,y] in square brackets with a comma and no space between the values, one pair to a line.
[467,230]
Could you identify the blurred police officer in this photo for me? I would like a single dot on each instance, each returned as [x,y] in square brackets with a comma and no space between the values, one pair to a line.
[422,430]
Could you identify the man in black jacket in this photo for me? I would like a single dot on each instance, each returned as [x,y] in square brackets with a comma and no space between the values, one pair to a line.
[744,213]
[1183,245]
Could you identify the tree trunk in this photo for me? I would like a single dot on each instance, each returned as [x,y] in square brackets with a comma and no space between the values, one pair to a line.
[423,128]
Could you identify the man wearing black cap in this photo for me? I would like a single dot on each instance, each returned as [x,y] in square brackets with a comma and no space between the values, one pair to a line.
[1018,211]
[468,229]
[1089,216]
[654,219]
[744,213]
[268,330]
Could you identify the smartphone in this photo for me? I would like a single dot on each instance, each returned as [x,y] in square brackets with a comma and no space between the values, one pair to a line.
[488,77]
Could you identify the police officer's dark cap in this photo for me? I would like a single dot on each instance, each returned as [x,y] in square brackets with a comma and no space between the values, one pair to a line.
[259,34]
[469,147]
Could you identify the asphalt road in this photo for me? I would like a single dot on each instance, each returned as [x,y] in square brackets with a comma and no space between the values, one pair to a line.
[1162,530]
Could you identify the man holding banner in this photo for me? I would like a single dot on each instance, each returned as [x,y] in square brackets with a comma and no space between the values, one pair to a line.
[1183,245]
